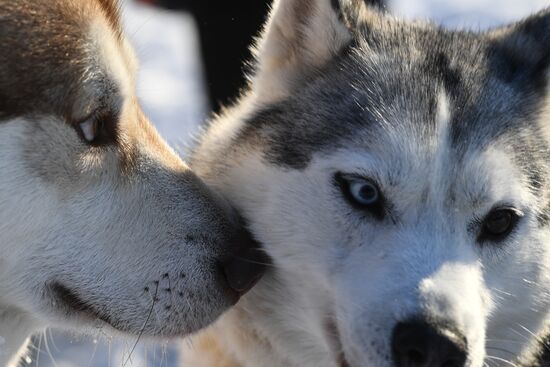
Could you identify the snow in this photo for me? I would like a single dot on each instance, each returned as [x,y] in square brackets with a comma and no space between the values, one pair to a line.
[170,84]
[471,14]
[171,90]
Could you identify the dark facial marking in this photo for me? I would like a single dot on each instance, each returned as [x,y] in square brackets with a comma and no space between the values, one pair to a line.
[537,28]
[112,12]
[523,53]
[542,358]
[75,303]
[543,217]
[105,124]
[337,8]
[344,101]
[440,65]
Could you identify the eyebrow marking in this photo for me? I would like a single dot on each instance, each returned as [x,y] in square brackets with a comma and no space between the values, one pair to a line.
[443,114]
[442,146]
[442,125]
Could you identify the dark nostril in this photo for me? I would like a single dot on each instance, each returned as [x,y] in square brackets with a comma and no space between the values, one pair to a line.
[420,344]
[453,363]
[242,271]
[416,356]
[245,264]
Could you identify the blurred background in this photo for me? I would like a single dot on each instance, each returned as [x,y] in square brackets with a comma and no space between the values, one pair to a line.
[192,54]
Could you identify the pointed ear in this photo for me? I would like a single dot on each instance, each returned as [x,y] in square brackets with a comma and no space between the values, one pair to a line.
[300,36]
[524,48]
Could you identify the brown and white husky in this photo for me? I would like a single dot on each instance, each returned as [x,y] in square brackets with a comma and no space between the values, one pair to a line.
[101,223]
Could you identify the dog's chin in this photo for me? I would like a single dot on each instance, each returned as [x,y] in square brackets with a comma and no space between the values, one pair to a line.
[73,309]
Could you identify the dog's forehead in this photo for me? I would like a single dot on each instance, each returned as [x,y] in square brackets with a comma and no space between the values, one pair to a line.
[388,88]
[53,52]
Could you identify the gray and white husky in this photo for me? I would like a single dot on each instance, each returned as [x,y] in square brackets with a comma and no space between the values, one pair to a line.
[101,223]
[399,176]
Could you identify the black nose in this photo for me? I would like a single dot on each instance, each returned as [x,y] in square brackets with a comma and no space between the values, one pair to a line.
[246,262]
[419,344]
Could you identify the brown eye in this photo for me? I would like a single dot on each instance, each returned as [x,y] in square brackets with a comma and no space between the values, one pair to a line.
[98,129]
[498,224]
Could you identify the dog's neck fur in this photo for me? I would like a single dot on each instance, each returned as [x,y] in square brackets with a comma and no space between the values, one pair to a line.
[224,345]
[258,332]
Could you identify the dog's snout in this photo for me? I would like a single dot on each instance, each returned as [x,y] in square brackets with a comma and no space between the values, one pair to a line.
[419,344]
[246,262]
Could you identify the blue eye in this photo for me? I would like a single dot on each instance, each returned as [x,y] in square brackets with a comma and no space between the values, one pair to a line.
[364,192]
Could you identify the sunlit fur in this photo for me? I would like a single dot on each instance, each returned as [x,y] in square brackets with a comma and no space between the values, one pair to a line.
[118,235]
[449,124]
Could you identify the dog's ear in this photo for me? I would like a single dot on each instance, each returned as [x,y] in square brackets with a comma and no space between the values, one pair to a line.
[300,36]
[522,50]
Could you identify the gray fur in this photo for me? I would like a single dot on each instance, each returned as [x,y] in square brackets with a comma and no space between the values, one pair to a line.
[356,93]
[102,225]
[448,124]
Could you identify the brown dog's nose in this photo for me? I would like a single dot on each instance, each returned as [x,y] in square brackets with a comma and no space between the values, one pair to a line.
[245,264]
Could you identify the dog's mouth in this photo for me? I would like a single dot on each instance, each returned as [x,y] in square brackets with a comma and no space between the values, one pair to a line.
[335,342]
[75,304]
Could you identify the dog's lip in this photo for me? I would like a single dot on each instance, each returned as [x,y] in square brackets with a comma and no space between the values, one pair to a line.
[341,358]
[333,335]
[75,303]
[342,361]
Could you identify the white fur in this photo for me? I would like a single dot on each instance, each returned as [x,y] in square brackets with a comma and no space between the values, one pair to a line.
[112,224]
[121,68]
[335,266]
[288,49]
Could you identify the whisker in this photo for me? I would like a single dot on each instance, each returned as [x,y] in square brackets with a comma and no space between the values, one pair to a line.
[55,348]
[109,352]
[530,332]
[502,360]
[39,349]
[501,350]
[504,340]
[47,348]
[526,338]
[502,292]
[93,353]
[143,327]
[171,290]
[252,261]
[153,299]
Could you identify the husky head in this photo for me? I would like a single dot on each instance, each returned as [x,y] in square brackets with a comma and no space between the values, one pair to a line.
[397,174]
[100,221]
